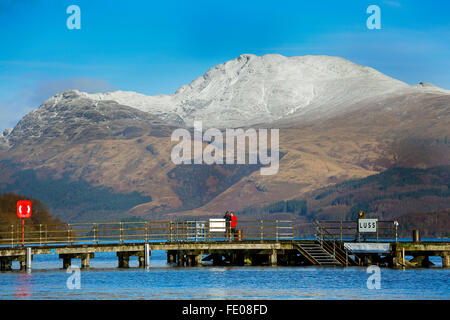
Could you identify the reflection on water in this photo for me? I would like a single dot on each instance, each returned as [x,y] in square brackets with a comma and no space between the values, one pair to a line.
[105,281]
[23,285]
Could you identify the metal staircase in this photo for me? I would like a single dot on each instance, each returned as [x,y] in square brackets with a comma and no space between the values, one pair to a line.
[335,248]
[317,255]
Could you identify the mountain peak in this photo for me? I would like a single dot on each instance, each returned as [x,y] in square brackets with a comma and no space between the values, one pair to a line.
[429,87]
[253,89]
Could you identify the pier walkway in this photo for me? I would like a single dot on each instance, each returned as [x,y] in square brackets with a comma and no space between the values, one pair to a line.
[191,243]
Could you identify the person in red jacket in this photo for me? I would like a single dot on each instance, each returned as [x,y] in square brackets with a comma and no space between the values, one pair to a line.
[233,223]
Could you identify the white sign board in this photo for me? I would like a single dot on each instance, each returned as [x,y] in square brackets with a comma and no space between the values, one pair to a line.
[367,225]
[217,225]
[368,247]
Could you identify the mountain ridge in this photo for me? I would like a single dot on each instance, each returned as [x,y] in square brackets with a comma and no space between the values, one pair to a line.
[358,129]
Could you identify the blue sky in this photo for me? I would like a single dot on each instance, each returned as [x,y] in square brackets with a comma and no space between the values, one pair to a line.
[155,47]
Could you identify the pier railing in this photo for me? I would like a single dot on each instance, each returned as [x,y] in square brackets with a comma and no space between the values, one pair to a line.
[147,231]
[348,231]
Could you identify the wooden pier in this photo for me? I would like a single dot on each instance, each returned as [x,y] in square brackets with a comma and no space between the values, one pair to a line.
[195,243]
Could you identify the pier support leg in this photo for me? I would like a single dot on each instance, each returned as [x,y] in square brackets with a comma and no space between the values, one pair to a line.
[446,260]
[67,261]
[124,260]
[28,259]
[85,261]
[171,256]
[5,264]
[189,260]
[180,258]
[198,259]
[397,260]
[238,259]
[273,258]
[147,254]
[217,260]
[248,261]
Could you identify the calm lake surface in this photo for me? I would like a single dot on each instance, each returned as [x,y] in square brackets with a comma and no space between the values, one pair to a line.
[104,281]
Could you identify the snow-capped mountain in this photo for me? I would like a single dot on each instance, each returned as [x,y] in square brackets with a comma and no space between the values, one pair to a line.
[96,147]
[253,89]
[248,90]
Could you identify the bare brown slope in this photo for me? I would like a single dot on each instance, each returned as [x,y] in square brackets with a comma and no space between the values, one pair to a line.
[134,155]
[405,130]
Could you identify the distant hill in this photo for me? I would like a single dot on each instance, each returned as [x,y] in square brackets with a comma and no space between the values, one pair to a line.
[415,197]
[388,195]
[430,224]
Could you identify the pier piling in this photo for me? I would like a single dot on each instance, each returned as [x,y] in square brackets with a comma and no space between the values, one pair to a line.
[28,259]
[124,259]
[445,260]
[273,258]
[147,254]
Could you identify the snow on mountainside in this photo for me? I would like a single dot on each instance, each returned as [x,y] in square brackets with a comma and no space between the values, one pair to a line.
[245,91]
[253,89]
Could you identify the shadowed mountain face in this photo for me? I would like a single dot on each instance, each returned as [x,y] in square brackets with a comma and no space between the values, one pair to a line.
[351,123]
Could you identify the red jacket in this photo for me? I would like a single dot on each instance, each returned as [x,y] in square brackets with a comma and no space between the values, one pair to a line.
[233,222]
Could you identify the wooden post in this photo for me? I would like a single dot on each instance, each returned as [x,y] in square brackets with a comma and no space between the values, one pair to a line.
[198,259]
[445,260]
[180,258]
[5,264]
[141,261]
[85,261]
[273,258]
[248,260]
[217,259]
[124,259]
[67,261]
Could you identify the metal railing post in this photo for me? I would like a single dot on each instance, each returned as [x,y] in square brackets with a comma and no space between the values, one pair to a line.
[262,230]
[146,231]
[95,235]
[396,230]
[68,233]
[12,235]
[276,230]
[341,230]
[121,232]
[40,234]
[292,230]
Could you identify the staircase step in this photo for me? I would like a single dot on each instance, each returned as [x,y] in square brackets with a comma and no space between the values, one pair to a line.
[319,254]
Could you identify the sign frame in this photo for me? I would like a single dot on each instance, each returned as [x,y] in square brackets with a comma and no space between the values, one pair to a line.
[367,225]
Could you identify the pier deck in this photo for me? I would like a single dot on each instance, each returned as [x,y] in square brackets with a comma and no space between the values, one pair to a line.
[192,243]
